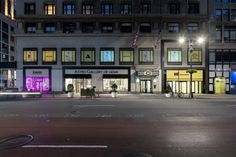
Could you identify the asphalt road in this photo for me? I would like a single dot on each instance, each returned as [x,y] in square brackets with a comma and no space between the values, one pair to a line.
[116,127]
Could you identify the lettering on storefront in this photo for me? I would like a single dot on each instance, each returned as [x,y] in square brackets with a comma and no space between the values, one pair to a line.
[95,71]
[36,72]
[148,73]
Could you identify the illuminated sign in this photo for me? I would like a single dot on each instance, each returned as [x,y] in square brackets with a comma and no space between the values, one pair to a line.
[96,71]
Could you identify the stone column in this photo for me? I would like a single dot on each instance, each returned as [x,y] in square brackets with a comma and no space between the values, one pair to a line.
[6,7]
[12,9]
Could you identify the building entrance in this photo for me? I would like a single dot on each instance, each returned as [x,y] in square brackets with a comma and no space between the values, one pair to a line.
[146,86]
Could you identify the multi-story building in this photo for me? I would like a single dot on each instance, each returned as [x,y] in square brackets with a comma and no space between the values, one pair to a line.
[7,44]
[133,43]
[222,47]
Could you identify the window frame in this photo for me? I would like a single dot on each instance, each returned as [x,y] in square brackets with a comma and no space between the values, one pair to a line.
[105,11]
[66,10]
[49,25]
[68,62]
[174,8]
[145,29]
[172,62]
[128,25]
[30,25]
[87,7]
[46,9]
[146,62]
[124,10]
[27,9]
[49,49]
[30,62]
[193,62]
[107,25]
[145,8]
[122,62]
[81,56]
[174,25]
[107,62]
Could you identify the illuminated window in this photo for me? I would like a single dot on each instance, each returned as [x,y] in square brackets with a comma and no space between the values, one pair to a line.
[87,9]
[126,56]
[174,56]
[30,56]
[49,9]
[49,56]
[107,56]
[87,56]
[68,56]
[196,56]
[146,56]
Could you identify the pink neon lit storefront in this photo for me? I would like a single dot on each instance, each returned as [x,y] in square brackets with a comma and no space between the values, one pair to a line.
[37,80]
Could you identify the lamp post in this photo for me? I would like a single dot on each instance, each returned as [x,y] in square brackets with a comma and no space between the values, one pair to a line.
[200,40]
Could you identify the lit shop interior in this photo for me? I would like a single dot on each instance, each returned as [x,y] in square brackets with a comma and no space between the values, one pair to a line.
[37,84]
[84,83]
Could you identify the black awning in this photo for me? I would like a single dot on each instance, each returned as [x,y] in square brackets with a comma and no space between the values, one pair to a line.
[8,65]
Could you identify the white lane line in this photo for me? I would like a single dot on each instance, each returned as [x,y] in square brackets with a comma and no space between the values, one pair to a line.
[67,146]
[80,106]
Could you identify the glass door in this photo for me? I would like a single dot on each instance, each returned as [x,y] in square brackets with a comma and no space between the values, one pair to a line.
[145,86]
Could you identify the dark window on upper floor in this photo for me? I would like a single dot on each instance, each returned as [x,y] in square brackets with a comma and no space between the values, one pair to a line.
[233,15]
[233,1]
[30,27]
[30,8]
[226,1]
[126,27]
[5,37]
[12,29]
[145,28]
[107,27]
[106,9]
[218,14]
[68,9]
[125,9]
[87,9]
[49,27]
[194,8]
[174,8]
[87,27]
[69,27]
[145,8]
[12,48]
[218,35]
[173,27]
[5,27]
[218,1]
[225,15]
[230,33]
[193,27]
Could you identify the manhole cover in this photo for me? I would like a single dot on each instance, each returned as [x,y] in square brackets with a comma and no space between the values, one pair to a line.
[16,141]
[137,155]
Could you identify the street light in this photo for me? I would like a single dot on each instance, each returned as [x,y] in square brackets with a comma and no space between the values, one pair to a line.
[200,40]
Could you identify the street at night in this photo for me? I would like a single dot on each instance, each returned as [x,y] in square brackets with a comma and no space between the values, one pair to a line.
[106,127]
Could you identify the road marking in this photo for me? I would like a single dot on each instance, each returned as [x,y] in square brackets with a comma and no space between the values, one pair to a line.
[80,106]
[67,146]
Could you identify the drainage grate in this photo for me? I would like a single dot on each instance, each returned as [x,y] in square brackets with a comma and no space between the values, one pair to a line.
[137,155]
[15,141]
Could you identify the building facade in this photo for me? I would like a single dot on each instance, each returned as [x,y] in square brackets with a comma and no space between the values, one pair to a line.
[7,45]
[95,43]
[222,47]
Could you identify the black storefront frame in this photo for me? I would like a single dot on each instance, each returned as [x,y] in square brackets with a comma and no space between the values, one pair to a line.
[97,67]
[49,73]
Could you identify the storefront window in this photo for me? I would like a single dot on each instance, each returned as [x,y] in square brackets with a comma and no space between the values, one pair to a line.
[49,56]
[146,56]
[196,56]
[121,83]
[174,56]
[126,56]
[87,56]
[37,84]
[68,56]
[30,56]
[107,56]
[82,83]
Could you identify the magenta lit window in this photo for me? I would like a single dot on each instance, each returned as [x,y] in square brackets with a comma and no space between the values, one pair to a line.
[37,84]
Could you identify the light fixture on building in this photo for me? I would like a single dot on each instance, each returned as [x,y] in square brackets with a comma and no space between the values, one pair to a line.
[137,80]
[154,80]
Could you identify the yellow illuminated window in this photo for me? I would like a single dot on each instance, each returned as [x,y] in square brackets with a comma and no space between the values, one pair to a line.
[49,55]
[68,55]
[146,56]
[126,56]
[87,56]
[49,9]
[30,55]
[196,56]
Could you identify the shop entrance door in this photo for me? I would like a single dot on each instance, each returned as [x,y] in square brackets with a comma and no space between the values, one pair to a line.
[220,85]
[145,86]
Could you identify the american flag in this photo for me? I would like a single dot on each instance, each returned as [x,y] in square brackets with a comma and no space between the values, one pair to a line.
[159,38]
[135,39]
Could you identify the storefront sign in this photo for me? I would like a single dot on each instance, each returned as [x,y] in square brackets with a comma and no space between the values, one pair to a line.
[96,71]
[183,75]
[148,73]
[36,72]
